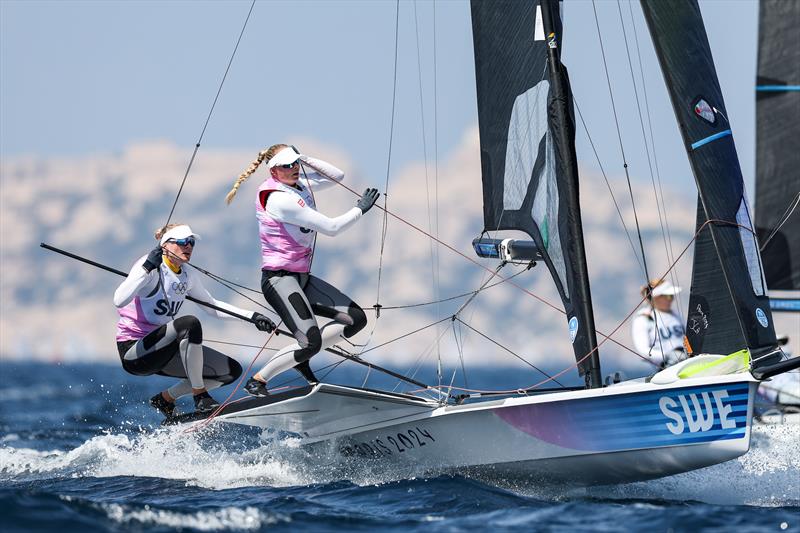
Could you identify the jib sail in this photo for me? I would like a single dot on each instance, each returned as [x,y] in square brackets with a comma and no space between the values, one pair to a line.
[530,180]
[778,148]
[728,306]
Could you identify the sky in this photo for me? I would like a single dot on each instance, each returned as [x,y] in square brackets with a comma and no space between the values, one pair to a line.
[92,77]
[101,104]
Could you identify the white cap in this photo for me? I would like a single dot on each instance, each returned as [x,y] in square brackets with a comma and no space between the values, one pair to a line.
[666,289]
[287,156]
[179,232]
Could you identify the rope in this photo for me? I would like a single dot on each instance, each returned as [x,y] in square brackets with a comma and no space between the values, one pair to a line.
[208,118]
[624,159]
[384,226]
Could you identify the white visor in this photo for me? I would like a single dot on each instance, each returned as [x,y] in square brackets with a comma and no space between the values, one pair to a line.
[287,156]
[666,289]
[179,232]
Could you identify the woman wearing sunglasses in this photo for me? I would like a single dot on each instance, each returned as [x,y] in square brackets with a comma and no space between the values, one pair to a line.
[657,329]
[151,340]
[314,311]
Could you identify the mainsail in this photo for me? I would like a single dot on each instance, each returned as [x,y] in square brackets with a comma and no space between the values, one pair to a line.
[530,180]
[778,147]
[728,307]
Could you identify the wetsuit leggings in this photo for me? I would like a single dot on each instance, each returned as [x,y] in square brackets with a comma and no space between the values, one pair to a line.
[316,313]
[175,349]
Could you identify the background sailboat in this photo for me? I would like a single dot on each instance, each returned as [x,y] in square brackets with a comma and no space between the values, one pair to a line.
[777,190]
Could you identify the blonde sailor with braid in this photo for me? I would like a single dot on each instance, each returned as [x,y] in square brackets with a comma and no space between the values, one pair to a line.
[151,340]
[316,313]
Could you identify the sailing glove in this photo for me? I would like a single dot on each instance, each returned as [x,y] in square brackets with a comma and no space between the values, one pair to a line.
[263,323]
[367,200]
[153,259]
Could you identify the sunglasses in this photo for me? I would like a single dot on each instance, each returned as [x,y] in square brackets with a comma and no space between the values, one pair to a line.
[184,242]
[290,165]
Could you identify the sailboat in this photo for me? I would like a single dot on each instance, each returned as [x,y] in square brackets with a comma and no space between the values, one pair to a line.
[694,414]
[777,192]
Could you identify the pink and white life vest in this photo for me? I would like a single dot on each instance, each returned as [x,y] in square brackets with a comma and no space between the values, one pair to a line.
[284,246]
[148,312]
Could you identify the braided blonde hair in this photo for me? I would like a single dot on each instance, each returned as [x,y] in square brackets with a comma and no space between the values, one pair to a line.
[163,229]
[263,155]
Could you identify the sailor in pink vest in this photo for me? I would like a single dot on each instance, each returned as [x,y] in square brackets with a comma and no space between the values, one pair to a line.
[151,340]
[317,313]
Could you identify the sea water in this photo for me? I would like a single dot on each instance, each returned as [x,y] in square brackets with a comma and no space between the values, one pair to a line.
[80,449]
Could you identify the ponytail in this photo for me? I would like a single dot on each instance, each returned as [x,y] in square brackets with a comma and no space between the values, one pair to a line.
[267,154]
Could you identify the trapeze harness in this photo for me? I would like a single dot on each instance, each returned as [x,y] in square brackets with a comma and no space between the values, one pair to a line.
[659,338]
[151,340]
[288,222]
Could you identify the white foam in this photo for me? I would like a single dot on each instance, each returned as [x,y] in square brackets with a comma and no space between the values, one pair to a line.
[166,453]
[248,518]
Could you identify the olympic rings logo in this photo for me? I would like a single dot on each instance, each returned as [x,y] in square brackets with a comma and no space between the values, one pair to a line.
[179,287]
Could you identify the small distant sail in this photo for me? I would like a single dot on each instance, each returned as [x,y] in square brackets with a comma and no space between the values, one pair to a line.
[527,150]
[728,307]
[778,145]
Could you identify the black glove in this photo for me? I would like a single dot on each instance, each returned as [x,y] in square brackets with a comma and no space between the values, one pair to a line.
[263,323]
[367,200]
[153,259]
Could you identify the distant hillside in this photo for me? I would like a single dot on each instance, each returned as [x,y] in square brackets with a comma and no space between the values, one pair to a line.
[106,206]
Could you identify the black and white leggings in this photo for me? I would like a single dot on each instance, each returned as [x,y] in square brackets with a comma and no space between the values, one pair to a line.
[303,302]
[175,349]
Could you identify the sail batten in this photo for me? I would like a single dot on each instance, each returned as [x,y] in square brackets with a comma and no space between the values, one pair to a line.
[527,136]
[728,307]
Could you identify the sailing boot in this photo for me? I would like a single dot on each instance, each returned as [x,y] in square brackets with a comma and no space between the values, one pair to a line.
[305,370]
[254,387]
[167,408]
[204,403]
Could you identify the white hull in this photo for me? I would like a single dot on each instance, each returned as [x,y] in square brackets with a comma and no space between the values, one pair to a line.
[627,432]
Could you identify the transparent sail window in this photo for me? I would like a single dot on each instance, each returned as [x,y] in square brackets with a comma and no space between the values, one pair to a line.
[750,246]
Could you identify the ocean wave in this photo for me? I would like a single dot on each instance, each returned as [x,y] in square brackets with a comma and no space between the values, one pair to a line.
[226,518]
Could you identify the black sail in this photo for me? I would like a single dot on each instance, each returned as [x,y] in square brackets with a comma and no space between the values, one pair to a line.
[530,180]
[728,306]
[778,146]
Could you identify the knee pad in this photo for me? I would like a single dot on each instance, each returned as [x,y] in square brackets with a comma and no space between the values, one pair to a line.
[359,320]
[189,327]
[313,345]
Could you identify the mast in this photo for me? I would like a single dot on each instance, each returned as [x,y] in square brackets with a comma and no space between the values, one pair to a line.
[728,306]
[563,126]
[778,149]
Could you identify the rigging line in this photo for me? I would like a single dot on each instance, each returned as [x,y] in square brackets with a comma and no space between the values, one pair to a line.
[208,118]
[625,162]
[660,207]
[406,334]
[621,323]
[426,353]
[203,423]
[463,295]
[436,177]
[389,158]
[608,184]
[487,269]
[782,220]
[431,246]
[509,351]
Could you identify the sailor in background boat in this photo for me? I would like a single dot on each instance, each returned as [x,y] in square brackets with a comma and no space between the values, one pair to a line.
[657,329]
[288,223]
[151,340]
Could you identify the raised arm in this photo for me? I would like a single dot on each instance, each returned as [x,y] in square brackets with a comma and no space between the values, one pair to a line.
[320,174]
[139,280]
[284,207]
